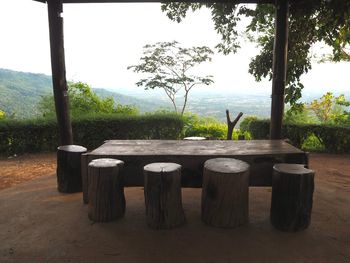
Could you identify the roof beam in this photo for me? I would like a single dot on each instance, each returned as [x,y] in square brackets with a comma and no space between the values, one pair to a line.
[161,1]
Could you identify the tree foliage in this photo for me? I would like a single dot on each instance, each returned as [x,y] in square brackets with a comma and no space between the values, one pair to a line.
[168,66]
[2,114]
[331,109]
[84,101]
[310,22]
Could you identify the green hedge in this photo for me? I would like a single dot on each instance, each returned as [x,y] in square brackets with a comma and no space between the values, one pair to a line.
[334,139]
[18,137]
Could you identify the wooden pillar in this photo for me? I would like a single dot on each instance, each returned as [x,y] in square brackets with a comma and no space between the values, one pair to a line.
[58,68]
[279,68]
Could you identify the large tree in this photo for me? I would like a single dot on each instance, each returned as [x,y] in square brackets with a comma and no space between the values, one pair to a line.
[84,101]
[310,22]
[169,67]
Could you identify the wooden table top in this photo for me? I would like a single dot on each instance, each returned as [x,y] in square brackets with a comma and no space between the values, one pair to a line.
[194,148]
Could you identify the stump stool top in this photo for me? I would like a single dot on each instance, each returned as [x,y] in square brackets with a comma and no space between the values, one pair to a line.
[72,148]
[194,138]
[291,168]
[105,162]
[162,167]
[226,165]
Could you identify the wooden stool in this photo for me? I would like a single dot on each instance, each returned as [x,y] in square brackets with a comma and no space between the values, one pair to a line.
[163,195]
[106,191]
[225,192]
[194,138]
[69,168]
[291,202]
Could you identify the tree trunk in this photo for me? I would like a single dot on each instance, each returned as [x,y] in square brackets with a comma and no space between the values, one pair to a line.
[292,192]
[279,68]
[231,124]
[163,195]
[105,190]
[225,192]
[69,168]
[58,67]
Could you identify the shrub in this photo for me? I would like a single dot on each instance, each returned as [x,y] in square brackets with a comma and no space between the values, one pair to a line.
[332,138]
[90,131]
[244,125]
[259,129]
[204,127]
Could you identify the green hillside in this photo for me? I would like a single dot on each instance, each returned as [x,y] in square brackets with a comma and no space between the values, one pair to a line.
[20,92]
[143,104]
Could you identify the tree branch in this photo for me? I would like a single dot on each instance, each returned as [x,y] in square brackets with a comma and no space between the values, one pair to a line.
[231,124]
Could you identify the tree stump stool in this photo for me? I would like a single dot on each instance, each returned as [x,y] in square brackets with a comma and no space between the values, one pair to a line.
[195,138]
[291,202]
[105,190]
[225,192]
[163,195]
[69,168]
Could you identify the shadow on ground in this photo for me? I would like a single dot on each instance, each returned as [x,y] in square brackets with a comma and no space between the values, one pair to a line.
[38,224]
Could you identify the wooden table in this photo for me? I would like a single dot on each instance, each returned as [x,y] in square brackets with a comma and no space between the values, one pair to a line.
[260,154]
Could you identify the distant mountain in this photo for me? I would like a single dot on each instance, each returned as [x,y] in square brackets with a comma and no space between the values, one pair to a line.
[145,105]
[20,93]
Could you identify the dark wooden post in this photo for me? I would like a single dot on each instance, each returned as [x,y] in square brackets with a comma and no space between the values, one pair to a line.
[279,68]
[58,68]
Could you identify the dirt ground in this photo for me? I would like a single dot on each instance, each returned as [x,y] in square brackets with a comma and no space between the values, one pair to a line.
[38,224]
[19,169]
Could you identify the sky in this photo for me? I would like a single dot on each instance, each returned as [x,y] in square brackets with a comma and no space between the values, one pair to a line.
[102,40]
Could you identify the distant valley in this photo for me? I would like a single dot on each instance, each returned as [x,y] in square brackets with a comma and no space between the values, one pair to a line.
[20,93]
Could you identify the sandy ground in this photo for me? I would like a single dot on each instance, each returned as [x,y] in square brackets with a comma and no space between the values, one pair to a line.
[38,224]
[19,169]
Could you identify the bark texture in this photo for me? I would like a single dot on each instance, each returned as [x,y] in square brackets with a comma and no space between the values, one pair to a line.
[69,168]
[105,190]
[225,192]
[163,195]
[292,196]
[231,124]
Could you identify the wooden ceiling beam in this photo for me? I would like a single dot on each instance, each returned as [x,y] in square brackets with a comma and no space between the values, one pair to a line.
[163,1]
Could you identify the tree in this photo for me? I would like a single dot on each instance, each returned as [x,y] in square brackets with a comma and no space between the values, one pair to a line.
[84,101]
[331,109]
[2,115]
[328,109]
[168,67]
[310,22]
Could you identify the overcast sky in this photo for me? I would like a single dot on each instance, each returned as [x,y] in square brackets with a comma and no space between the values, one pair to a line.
[101,40]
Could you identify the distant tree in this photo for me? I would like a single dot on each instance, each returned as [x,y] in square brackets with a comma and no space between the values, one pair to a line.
[2,114]
[310,22]
[168,67]
[331,109]
[328,109]
[84,101]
